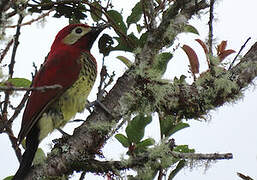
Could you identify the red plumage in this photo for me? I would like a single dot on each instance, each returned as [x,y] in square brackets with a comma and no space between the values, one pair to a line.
[63,66]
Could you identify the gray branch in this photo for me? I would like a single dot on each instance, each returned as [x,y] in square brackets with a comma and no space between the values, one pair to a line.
[41,88]
[200,156]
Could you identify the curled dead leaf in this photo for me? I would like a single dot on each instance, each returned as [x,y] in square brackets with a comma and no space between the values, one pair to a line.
[221,47]
[203,46]
[225,53]
[193,59]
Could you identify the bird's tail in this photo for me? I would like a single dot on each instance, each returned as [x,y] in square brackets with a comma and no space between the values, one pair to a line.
[32,143]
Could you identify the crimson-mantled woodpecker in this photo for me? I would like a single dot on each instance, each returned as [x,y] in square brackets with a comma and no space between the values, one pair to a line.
[71,65]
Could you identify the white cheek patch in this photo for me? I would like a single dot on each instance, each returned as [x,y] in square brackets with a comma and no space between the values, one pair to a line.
[73,37]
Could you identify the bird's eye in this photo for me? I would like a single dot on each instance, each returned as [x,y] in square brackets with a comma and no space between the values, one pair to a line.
[78,30]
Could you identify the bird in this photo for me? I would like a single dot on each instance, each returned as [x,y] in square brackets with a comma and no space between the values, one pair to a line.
[70,65]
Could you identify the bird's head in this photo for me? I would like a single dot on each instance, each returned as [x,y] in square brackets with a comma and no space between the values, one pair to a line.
[79,36]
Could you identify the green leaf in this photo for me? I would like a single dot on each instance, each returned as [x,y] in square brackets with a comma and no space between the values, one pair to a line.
[179,166]
[178,127]
[17,82]
[39,157]
[136,128]
[139,28]
[8,178]
[123,140]
[121,45]
[105,44]
[191,29]
[125,60]
[142,39]
[166,124]
[145,143]
[169,126]
[95,12]
[44,7]
[183,149]
[182,79]
[63,10]
[74,13]
[136,14]
[34,10]
[118,19]
[133,38]
[161,62]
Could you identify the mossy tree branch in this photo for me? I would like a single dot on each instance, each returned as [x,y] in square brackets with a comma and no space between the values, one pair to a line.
[88,140]
[192,101]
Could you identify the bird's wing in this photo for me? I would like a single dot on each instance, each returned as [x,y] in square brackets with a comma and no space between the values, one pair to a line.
[63,69]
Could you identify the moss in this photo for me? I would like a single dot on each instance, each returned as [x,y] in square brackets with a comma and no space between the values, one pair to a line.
[199,164]
[218,89]
[54,152]
[54,178]
[225,85]
[145,98]
[175,27]
[1,73]
[141,69]
[215,61]
[161,152]
[159,157]
[126,102]
[101,126]
[145,173]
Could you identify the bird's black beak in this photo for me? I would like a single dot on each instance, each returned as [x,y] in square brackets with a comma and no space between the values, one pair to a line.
[95,31]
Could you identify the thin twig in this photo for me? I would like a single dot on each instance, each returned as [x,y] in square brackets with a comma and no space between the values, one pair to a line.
[161,6]
[17,111]
[152,15]
[116,129]
[211,16]
[128,41]
[145,16]
[82,176]
[13,140]
[231,65]
[19,107]
[109,81]
[18,7]
[199,156]
[41,88]
[4,52]
[11,65]
[15,46]
[161,174]
[32,20]
[103,76]
[244,177]
[107,4]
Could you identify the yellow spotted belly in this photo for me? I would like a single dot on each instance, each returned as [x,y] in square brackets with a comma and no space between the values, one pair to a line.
[73,100]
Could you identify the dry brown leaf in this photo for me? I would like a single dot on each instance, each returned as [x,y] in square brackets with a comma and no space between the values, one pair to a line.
[203,46]
[193,59]
[225,53]
[221,47]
